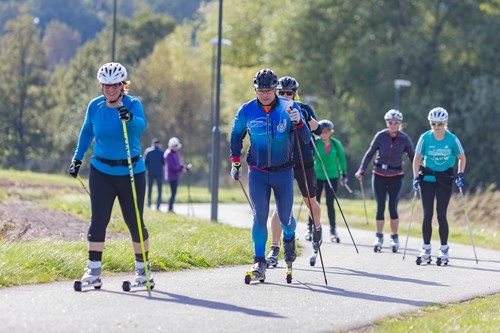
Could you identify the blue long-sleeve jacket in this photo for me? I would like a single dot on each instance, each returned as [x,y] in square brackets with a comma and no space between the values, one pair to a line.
[103,124]
[272,136]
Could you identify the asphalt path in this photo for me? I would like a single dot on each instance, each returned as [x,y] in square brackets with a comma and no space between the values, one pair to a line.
[361,288]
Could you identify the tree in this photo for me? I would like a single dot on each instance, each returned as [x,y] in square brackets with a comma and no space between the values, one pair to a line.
[22,64]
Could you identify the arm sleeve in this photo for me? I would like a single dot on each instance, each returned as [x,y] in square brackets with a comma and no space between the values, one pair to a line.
[369,153]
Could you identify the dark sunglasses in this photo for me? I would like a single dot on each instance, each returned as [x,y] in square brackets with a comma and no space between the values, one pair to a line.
[283,93]
[437,124]
[114,85]
[394,122]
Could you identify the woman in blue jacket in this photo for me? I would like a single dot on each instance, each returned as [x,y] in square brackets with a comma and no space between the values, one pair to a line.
[109,172]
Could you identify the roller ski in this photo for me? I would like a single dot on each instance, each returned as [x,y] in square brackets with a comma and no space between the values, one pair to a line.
[394,243]
[425,255]
[334,237]
[316,243]
[140,279]
[90,279]
[290,256]
[258,272]
[442,258]
[379,241]
[308,235]
[272,257]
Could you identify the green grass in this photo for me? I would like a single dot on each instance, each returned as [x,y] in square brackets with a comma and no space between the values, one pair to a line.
[187,243]
[480,315]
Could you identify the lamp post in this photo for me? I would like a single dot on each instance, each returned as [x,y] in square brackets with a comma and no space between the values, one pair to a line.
[214,42]
[113,39]
[216,130]
[398,83]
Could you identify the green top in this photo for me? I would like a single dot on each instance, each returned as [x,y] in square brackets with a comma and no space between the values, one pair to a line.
[333,160]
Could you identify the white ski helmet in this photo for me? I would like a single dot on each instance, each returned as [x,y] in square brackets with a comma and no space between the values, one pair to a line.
[111,73]
[438,114]
[174,142]
[393,114]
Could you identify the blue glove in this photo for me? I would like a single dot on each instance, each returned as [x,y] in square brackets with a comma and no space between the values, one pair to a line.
[124,113]
[236,170]
[74,168]
[416,183]
[460,179]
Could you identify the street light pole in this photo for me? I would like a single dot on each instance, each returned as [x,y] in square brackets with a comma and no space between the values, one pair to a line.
[216,130]
[113,40]
[398,83]
[214,42]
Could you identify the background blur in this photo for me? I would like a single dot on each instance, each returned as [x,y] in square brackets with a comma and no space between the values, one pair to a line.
[348,56]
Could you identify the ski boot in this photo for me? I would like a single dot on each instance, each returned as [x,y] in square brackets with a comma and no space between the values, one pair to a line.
[379,241]
[258,271]
[394,243]
[425,254]
[308,234]
[272,257]
[316,243]
[140,279]
[334,237]
[290,256]
[91,277]
[442,255]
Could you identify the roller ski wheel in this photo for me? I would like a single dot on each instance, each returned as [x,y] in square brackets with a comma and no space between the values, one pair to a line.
[377,248]
[440,262]
[79,285]
[258,272]
[272,257]
[308,236]
[251,276]
[312,260]
[420,260]
[288,272]
[335,239]
[128,286]
[394,248]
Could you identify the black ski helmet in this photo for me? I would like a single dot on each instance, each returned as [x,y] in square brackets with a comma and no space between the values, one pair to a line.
[288,82]
[265,79]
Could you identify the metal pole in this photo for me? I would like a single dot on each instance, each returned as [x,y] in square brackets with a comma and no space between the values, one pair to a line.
[113,41]
[216,129]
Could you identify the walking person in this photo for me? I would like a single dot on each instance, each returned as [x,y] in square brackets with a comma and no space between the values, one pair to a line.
[109,169]
[330,165]
[390,144]
[436,154]
[174,169]
[270,122]
[288,88]
[153,157]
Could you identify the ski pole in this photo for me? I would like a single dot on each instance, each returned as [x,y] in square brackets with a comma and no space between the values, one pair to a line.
[347,188]
[309,201]
[409,225]
[190,203]
[363,197]
[83,185]
[136,206]
[246,195]
[468,223]
[335,196]
[300,209]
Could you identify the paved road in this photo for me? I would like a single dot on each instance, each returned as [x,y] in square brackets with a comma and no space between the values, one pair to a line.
[361,288]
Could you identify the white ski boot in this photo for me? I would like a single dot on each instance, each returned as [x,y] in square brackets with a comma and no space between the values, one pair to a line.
[272,257]
[425,254]
[140,278]
[379,241]
[258,272]
[442,257]
[394,243]
[91,277]
[334,237]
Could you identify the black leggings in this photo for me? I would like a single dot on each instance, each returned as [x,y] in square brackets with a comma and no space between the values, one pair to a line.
[103,191]
[330,198]
[441,190]
[383,187]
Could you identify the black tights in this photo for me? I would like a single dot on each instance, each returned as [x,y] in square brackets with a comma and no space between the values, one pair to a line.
[442,192]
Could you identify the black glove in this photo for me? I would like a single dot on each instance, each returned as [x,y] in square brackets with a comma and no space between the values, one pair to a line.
[124,113]
[74,168]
